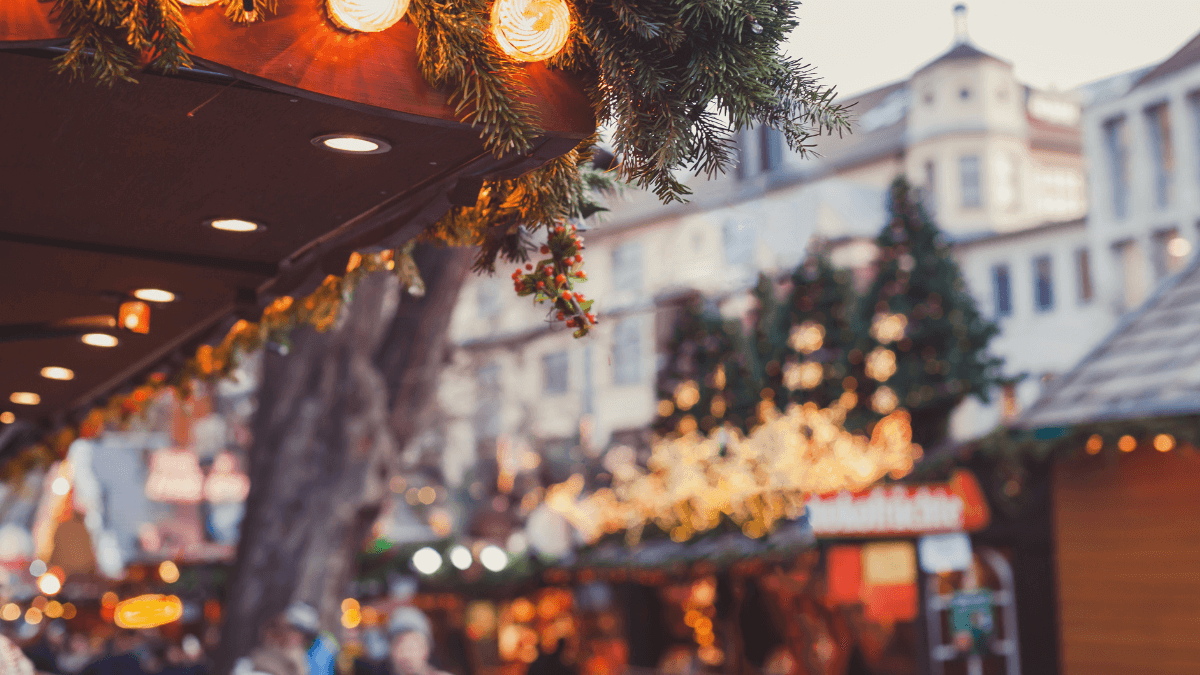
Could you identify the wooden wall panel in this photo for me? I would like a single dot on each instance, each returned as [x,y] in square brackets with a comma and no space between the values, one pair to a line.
[1128,558]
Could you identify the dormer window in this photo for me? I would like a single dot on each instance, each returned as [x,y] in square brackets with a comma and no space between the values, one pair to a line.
[964,93]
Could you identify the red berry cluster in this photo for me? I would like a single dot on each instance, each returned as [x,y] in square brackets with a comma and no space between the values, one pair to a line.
[553,279]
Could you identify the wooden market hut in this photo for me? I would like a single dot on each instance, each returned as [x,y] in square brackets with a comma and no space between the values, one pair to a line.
[1122,427]
[110,189]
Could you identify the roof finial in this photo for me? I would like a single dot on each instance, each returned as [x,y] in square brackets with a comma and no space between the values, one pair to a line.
[960,24]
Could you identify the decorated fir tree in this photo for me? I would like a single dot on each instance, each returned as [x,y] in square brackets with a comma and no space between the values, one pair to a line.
[708,379]
[927,341]
[819,336]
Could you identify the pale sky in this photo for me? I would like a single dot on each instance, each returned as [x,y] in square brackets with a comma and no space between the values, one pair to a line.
[857,45]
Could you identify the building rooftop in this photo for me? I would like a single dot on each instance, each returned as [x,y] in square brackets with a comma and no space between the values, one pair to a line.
[1187,56]
[1149,366]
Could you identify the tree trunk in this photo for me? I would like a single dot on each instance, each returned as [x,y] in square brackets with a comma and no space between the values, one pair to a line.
[333,414]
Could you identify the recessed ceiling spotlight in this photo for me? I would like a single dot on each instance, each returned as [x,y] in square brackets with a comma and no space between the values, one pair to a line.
[99,340]
[58,373]
[25,398]
[153,295]
[352,144]
[235,225]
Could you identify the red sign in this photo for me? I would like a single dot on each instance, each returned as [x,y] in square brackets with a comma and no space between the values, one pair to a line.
[958,505]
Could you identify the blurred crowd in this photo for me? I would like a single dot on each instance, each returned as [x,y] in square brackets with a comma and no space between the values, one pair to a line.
[54,650]
[289,644]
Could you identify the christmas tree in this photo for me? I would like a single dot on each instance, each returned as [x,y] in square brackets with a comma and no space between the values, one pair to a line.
[708,379]
[820,336]
[926,340]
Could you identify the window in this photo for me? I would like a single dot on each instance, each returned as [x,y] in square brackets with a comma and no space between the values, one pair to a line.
[1043,284]
[627,267]
[1116,147]
[739,240]
[930,196]
[771,148]
[1159,123]
[968,171]
[1002,290]
[1007,182]
[554,373]
[487,296]
[1194,107]
[627,352]
[1171,252]
[1133,275]
[1083,276]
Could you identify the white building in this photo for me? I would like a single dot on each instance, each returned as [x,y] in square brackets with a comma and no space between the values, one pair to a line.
[1002,167]
[1142,138]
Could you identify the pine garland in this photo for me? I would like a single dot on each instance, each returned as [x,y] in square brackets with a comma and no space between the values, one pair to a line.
[673,79]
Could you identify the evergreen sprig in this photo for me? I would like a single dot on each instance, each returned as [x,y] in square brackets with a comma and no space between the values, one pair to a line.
[675,80]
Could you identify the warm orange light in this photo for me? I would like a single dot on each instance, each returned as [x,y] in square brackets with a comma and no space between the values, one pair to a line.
[531,30]
[148,611]
[10,612]
[33,616]
[198,3]
[1164,442]
[54,609]
[168,572]
[7,417]
[68,610]
[349,604]
[109,599]
[1127,444]
[1094,443]
[366,16]
[25,398]
[351,618]
[134,316]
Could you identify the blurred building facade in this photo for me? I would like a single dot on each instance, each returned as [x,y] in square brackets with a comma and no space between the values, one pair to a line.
[1001,168]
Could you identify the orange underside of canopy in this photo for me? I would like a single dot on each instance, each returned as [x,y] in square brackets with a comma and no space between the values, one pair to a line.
[298,48]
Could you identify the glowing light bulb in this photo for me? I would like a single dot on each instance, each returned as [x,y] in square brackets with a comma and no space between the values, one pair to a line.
[134,316]
[60,486]
[460,557]
[233,225]
[366,16]
[49,584]
[10,612]
[168,572]
[58,373]
[154,295]
[7,417]
[427,560]
[198,3]
[25,398]
[531,30]
[493,558]
[99,340]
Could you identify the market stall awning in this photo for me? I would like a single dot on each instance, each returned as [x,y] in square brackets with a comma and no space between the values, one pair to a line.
[1148,367]
[106,190]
